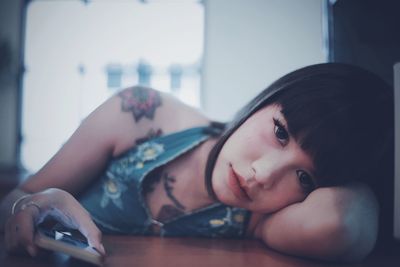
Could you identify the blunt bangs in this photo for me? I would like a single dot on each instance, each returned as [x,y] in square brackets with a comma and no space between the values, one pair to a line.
[344,130]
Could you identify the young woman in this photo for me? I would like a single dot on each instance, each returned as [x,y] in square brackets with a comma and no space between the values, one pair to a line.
[295,168]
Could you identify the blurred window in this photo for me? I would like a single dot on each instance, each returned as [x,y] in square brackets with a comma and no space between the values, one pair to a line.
[78,53]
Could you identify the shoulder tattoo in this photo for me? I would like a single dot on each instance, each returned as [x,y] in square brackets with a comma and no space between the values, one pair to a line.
[142,102]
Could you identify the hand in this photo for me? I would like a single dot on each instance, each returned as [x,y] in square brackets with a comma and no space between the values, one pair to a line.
[60,205]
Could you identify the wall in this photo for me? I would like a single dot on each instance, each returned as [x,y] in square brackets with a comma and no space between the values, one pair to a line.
[249,44]
[10,14]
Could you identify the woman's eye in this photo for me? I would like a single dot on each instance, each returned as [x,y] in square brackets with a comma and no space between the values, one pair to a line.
[306,181]
[280,132]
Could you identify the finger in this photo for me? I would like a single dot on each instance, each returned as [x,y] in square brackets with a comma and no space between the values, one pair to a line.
[76,215]
[19,234]
[26,231]
[8,236]
[12,235]
[89,229]
[94,237]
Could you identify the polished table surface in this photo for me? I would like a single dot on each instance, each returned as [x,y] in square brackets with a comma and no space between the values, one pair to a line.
[179,252]
[141,251]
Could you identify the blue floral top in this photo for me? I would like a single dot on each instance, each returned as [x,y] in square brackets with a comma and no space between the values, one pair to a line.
[117,205]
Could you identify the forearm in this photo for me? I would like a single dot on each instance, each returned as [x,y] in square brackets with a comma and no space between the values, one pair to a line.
[332,224]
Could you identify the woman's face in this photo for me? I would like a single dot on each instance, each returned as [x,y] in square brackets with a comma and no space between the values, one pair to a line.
[261,167]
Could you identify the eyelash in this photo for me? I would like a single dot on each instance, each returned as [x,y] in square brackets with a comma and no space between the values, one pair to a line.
[306,187]
[283,141]
[279,126]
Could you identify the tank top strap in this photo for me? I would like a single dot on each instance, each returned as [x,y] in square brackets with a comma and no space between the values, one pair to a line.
[137,162]
[173,145]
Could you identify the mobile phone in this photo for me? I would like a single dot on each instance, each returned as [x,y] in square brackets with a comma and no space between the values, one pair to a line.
[67,241]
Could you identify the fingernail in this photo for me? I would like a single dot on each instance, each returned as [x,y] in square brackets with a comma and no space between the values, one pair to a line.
[31,251]
[102,249]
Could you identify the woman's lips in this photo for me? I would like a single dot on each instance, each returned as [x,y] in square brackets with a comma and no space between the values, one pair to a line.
[234,183]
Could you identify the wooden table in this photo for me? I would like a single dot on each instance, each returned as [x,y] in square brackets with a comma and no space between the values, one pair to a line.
[140,251]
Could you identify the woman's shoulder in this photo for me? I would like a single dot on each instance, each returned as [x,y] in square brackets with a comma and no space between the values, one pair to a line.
[147,112]
[175,115]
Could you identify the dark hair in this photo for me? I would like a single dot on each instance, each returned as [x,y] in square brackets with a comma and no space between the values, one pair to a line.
[340,114]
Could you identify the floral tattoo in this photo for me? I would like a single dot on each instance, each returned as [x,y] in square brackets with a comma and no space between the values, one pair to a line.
[142,102]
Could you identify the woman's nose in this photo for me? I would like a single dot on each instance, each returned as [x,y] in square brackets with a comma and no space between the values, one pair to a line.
[268,170]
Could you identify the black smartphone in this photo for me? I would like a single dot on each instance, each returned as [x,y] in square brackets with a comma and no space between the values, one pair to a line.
[68,241]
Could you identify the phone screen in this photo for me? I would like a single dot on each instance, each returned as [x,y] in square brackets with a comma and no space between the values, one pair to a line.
[67,241]
[71,237]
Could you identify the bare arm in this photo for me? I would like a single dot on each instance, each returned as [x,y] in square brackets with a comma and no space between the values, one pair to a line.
[108,131]
[104,133]
[337,223]
[75,164]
